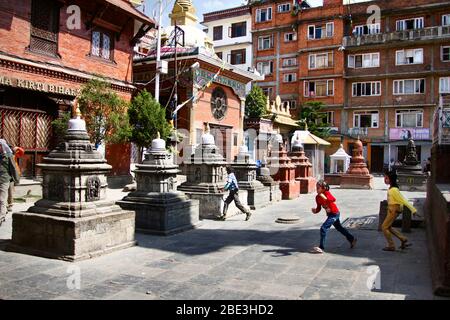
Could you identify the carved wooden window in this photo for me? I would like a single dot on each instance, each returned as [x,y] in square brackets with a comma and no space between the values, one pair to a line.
[219,103]
[44,27]
[102,45]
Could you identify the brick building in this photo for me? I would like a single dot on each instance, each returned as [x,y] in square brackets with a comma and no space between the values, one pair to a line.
[378,80]
[221,104]
[47,53]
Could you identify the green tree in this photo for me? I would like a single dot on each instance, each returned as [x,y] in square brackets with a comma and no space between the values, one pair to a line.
[60,126]
[312,115]
[255,103]
[103,110]
[147,118]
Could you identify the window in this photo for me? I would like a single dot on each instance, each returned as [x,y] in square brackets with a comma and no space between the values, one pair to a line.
[263,15]
[321,60]
[290,104]
[238,30]
[408,118]
[268,91]
[368,60]
[220,55]
[410,24]
[320,88]
[321,31]
[265,42]
[367,29]
[290,36]
[217,33]
[290,77]
[410,86]
[330,29]
[366,119]
[293,104]
[444,85]
[365,89]
[265,68]
[44,27]
[237,57]
[285,7]
[326,118]
[290,62]
[446,20]
[102,45]
[445,54]
[410,56]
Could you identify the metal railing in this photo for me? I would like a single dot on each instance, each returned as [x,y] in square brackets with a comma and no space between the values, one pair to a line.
[429,33]
[358,132]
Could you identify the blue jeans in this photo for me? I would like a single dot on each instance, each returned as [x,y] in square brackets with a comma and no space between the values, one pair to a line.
[333,220]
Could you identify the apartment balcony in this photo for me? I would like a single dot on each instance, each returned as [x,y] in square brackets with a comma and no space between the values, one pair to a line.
[431,33]
[358,132]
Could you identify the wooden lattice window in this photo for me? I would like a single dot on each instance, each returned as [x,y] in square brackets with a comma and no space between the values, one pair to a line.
[102,44]
[44,27]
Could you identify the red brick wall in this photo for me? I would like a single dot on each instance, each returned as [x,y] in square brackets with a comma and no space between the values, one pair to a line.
[73,45]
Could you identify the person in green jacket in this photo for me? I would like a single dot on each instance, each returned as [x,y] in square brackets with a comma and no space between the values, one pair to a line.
[8,173]
[396,201]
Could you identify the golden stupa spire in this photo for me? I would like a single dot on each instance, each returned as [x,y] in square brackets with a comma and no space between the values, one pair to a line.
[183,13]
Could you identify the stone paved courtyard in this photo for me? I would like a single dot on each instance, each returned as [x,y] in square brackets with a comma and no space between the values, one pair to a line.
[258,259]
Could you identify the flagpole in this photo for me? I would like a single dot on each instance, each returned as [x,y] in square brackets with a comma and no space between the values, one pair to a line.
[158,53]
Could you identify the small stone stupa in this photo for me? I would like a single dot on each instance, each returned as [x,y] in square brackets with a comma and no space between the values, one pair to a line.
[159,207]
[258,195]
[303,168]
[74,220]
[283,171]
[357,176]
[410,175]
[263,175]
[206,177]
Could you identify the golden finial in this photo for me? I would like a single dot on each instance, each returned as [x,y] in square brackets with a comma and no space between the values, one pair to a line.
[76,108]
[158,136]
[207,129]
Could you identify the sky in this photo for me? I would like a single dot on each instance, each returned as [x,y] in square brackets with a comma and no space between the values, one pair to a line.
[202,6]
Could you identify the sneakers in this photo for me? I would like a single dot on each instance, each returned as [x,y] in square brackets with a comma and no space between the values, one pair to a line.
[388,249]
[316,250]
[249,214]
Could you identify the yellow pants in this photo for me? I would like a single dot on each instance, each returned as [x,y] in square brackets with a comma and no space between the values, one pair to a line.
[393,212]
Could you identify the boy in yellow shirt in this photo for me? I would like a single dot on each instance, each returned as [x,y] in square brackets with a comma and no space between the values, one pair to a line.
[396,201]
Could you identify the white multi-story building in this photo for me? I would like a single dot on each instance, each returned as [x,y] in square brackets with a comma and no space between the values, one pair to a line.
[230,31]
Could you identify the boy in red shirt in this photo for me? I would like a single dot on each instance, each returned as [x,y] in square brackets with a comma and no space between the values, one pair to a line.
[325,199]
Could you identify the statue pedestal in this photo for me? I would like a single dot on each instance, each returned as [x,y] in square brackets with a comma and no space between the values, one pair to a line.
[354,181]
[73,239]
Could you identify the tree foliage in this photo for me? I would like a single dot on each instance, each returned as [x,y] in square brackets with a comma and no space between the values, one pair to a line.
[104,112]
[147,118]
[312,114]
[255,103]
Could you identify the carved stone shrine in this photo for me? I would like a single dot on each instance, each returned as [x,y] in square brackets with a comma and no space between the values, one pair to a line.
[74,220]
[357,176]
[159,207]
[410,175]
